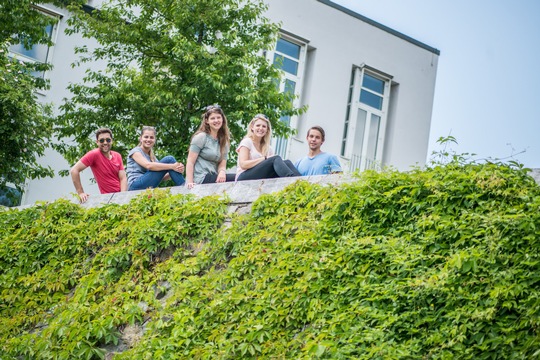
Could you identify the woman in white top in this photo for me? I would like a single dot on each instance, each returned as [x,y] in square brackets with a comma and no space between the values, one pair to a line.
[256,159]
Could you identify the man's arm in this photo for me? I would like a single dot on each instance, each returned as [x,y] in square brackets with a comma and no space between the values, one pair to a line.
[76,177]
[123,180]
[335,166]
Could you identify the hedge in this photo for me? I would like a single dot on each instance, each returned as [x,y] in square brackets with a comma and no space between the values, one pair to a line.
[437,263]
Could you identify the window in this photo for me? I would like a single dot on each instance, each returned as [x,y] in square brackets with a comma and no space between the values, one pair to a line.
[9,196]
[365,122]
[39,52]
[289,56]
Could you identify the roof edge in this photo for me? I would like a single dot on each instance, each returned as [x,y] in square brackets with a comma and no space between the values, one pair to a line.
[381,26]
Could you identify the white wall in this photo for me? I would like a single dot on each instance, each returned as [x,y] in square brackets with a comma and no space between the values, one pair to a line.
[62,55]
[341,41]
[337,41]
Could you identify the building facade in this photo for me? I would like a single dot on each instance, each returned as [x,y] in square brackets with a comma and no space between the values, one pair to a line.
[370,87]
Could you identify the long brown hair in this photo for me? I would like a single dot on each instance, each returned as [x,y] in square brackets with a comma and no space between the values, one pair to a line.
[265,141]
[224,136]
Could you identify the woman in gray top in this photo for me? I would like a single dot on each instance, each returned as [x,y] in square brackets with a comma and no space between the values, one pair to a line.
[207,157]
[144,170]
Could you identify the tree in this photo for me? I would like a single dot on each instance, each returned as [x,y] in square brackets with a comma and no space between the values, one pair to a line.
[167,60]
[25,123]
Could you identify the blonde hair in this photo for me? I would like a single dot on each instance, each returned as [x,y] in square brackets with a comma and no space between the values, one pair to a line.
[265,141]
[153,129]
[224,136]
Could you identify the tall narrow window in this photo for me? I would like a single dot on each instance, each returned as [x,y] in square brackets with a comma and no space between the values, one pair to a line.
[289,56]
[365,123]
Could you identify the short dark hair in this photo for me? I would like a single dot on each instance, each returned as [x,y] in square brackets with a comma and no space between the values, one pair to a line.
[319,129]
[103,131]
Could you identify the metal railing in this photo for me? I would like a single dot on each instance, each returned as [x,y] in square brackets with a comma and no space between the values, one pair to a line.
[361,163]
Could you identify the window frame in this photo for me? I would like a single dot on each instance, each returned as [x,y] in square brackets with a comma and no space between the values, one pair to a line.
[282,146]
[50,49]
[359,161]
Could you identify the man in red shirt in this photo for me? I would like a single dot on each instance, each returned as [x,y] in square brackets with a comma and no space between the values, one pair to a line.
[106,165]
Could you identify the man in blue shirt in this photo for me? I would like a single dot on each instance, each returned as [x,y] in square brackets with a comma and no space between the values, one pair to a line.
[317,162]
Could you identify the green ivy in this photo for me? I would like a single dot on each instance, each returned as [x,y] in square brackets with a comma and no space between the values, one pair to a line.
[437,263]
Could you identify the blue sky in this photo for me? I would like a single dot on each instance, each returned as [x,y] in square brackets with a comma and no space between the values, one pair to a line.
[488,79]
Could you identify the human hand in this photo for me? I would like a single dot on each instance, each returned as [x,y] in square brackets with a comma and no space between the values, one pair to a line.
[221,177]
[83,197]
[178,167]
[190,185]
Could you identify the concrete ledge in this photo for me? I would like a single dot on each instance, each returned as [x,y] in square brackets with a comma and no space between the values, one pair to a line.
[240,192]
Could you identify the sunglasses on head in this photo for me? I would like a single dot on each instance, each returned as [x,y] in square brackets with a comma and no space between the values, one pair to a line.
[212,107]
[102,140]
[260,116]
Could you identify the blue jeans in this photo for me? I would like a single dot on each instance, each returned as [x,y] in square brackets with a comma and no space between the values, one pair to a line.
[151,179]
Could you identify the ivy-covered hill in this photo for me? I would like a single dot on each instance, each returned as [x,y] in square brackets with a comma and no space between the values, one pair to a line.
[442,263]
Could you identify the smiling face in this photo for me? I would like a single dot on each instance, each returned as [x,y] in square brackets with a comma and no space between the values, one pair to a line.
[314,139]
[215,121]
[148,139]
[104,142]
[259,128]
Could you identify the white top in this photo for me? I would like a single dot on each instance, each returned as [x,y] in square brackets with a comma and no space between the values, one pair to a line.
[253,153]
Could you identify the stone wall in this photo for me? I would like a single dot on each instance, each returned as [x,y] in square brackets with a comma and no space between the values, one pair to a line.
[241,194]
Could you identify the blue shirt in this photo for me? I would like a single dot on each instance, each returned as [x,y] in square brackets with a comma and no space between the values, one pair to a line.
[321,164]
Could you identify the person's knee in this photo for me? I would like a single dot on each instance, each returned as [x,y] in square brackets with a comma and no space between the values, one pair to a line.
[169,159]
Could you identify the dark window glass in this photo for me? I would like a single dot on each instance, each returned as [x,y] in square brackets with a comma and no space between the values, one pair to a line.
[38,52]
[371,99]
[10,196]
[374,84]
[286,64]
[345,130]
[288,48]
[289,86]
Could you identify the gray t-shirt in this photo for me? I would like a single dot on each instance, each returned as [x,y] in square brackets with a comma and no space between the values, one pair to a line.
[134,170]
[209,156]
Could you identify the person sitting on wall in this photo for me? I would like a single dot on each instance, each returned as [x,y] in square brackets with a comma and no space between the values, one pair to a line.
[317,162]
[207,157]
[256,159]
[106,165]
[144,170]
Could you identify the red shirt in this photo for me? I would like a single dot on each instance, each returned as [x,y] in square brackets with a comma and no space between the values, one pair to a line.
[105,171]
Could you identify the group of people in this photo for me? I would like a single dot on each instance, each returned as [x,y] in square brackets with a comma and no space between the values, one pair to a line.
[206,161]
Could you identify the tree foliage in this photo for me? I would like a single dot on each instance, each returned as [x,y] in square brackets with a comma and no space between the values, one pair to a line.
[442,263]
[25,123]
[165,61]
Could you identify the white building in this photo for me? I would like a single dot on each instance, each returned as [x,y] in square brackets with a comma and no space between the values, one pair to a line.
[370,87]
